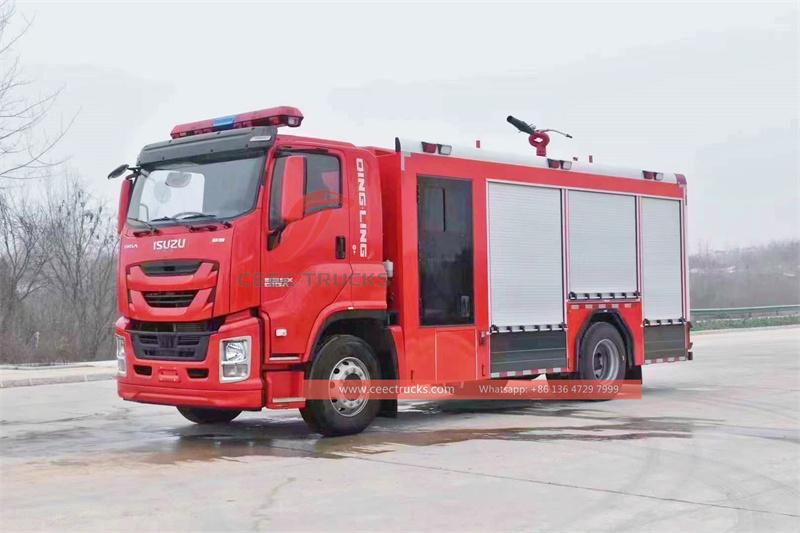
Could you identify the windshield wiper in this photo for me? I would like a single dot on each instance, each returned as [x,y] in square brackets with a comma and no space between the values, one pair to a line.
[173,219]
[197,215]
[210,226]
[165,219]
[150,228]
[195,227]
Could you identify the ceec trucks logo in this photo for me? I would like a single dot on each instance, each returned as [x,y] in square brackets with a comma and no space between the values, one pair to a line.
[169,244]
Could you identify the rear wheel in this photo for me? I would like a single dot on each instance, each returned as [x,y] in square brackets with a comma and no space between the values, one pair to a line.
[347,358]
[201,415]
[603,355]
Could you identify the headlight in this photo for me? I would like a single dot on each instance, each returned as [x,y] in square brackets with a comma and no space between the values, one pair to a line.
[234,359]
[122,367]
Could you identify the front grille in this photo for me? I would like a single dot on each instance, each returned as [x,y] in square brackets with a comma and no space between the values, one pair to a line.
[170,268]
[177,327]
[170,346]
[169,298]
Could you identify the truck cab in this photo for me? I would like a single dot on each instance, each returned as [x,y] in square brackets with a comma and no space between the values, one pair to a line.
[238,247]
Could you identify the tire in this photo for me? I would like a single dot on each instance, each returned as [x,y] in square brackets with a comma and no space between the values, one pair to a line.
[603,355]
[201,415]
[342,355]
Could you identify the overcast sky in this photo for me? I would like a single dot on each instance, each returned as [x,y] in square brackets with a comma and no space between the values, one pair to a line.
[707,89]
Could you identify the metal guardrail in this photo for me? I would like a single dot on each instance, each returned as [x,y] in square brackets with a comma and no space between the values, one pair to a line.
[745,312]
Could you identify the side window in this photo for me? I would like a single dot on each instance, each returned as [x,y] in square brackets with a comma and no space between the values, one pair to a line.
[323,185]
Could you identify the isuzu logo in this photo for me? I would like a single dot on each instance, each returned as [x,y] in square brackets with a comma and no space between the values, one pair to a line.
[169,244]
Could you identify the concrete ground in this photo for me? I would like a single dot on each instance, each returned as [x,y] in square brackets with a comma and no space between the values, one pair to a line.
[26,376]
[712,446]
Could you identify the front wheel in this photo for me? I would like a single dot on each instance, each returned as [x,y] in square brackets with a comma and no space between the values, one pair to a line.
[201,415]
[347,358]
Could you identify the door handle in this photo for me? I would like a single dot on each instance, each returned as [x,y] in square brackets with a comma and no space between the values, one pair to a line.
[341,247]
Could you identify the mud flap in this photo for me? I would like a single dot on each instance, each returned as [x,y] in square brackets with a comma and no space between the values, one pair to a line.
[634,373]
[388,409]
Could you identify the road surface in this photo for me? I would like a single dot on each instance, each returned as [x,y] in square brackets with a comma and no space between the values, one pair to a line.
[713,445]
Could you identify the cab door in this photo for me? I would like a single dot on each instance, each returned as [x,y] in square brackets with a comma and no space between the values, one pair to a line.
[305,265]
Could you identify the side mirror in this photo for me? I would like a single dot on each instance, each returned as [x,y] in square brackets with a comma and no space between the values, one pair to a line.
[117,172]
[124,203]
[292,188]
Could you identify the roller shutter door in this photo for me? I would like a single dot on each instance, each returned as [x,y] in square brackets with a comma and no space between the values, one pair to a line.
[602,243]
[661,259]
[525,255]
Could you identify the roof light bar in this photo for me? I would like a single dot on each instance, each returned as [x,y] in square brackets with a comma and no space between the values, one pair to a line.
[274,116]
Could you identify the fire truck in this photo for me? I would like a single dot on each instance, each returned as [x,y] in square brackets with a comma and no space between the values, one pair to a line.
[252,261]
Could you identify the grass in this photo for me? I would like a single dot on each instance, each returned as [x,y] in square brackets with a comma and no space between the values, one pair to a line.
[753,322]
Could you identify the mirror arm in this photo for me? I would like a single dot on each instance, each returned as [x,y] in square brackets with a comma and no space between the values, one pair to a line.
[274,236]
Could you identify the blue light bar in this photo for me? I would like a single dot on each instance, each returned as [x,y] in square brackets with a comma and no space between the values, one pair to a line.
[223,123]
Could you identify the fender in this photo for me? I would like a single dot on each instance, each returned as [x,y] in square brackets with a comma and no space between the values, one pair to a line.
[332,313]
[612,316]
[385,343]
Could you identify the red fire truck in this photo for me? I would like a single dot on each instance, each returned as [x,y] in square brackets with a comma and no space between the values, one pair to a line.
[252,261]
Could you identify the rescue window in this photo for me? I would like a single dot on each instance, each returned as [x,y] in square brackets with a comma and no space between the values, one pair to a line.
[445,251]
[323,185]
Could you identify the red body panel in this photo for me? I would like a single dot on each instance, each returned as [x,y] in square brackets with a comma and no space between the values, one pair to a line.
[399,174]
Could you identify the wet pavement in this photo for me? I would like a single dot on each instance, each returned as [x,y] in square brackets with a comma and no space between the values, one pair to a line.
[713,444]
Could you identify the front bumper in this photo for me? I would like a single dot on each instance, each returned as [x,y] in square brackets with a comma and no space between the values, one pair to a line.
[216,399]
[194,383]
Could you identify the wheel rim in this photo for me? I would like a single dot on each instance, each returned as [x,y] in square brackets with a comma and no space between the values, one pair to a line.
[605,360]
[349,369]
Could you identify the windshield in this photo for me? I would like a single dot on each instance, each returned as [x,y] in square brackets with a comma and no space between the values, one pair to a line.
[189,190]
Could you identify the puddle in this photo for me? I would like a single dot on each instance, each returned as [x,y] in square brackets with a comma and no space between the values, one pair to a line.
[123,440]
[291,439]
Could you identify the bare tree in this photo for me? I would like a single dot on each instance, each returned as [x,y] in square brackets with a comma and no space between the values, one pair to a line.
[25,149]
[22,258]
[57,275]
[81,242]
[743,277]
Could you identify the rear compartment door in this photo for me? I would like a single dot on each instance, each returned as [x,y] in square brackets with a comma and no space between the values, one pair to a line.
[662,280]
